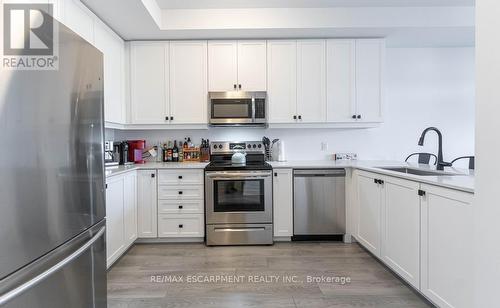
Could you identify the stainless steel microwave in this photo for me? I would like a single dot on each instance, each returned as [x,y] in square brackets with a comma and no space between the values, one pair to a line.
[235,108]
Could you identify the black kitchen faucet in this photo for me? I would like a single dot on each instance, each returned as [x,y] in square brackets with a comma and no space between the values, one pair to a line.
[440,163]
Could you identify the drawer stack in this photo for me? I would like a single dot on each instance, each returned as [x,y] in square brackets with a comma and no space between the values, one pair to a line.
[181,204]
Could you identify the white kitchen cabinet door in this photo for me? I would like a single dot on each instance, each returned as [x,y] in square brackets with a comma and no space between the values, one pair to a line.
[147,212]
[446,255]
[188,82]
[149,83]
[340,80]
[282,81]
[401,229]
[115,212]
[311,81]
[369,198]
[283,202]
[222,65]
[79,19]
[252,65]
[113,49]
[130,208]
[370,55]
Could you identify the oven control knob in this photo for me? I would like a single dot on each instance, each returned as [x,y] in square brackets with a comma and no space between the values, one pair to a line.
[254,146]
[259,146]
[249,146]
[220,146]
[215,146]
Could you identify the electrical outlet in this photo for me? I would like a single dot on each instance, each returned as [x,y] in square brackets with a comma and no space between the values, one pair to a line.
[346,156]
[324,146]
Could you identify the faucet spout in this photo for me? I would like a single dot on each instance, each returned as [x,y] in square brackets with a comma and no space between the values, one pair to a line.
[440,162]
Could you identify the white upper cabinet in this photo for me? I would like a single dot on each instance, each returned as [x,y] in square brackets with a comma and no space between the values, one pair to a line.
[149,83]
[311,81]
[237,65]
[78,18]
[282,80]
[252,65]
[222,65]
[188,82]
[446,256]
[113,49]
[370,55]
[401,228]
[340,76]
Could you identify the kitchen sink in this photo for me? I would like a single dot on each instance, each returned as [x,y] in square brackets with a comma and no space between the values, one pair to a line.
[418,171]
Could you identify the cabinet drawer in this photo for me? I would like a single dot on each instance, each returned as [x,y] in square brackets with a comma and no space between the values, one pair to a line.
[184,192]
[181,207]
[181,225]
[180,176]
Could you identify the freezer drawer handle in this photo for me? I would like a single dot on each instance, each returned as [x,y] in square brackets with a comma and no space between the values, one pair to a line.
[4,298]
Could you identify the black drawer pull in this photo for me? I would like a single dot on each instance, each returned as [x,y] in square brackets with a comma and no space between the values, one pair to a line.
[181,226]
[152,175]
[180,192]
[180,207]
[180,177]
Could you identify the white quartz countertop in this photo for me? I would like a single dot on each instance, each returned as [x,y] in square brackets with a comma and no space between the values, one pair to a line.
[463,182]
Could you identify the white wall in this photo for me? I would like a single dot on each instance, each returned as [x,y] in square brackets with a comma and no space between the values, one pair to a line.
[487,204]
[424,87]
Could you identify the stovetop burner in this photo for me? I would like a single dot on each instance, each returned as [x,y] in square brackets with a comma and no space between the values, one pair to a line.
[221,153]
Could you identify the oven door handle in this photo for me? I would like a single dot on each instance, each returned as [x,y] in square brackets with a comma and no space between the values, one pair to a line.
[238,176]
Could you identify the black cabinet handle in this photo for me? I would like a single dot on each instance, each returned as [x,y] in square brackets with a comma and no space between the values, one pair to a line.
[375,181]
[295,117]
[300,117]
[234,86]
[106,186]
[381,182]
[166,118]
[171,118]
[359,116]
[152,175]
[180,177]
[421,193]
[239,86]
[180,192]
[276,174]
[181,226]
[180,207]
[354,116]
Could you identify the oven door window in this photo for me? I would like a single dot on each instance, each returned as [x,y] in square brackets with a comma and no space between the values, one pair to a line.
[239,195]
[231,109]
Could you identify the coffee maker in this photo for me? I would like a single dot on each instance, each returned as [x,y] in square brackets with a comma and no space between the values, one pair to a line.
[110,154]
[123,155]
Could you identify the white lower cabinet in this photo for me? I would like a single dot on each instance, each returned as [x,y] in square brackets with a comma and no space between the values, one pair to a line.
[401,228]
[147,215]
[447,258]
[369,196]
[420,231]
[181,203]
[121,215]
[181,225]
[283,202]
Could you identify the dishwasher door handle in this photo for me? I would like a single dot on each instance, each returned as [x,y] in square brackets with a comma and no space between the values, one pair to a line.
[319,173]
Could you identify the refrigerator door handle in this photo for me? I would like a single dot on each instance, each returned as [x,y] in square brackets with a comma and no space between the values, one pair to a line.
[4,298]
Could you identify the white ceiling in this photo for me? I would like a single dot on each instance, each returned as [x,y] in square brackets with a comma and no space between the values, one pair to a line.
[228,4]
[404,23]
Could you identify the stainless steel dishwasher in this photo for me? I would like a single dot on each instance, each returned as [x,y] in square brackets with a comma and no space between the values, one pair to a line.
[318,204]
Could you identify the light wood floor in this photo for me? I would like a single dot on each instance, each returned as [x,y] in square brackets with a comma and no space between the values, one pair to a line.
[372,285]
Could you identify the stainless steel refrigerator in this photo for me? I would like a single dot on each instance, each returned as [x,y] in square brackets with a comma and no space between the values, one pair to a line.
[52,193]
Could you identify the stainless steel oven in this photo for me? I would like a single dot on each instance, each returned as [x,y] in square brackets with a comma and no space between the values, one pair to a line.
[237,108]
[239,207]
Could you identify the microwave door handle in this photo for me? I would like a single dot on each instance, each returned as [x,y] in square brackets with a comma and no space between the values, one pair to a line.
[253,109]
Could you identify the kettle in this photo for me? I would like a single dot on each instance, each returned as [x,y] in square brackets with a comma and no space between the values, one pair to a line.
[239,158]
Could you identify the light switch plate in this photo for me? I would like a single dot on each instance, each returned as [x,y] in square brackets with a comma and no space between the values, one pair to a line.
[346,156]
